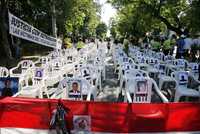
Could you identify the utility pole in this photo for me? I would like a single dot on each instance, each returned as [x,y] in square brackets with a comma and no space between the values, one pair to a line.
[53,18]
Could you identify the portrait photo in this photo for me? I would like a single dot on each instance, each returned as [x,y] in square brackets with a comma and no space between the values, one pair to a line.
[8,86]
[183,77]
[39,72]
[141,87]
[75,90]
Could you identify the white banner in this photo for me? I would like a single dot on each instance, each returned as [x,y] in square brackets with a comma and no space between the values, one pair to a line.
[21,29]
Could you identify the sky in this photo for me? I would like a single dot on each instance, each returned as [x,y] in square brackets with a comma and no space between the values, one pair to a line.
[107,11]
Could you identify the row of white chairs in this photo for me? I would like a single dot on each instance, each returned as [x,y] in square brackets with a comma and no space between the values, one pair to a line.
[36,79]
[167,71]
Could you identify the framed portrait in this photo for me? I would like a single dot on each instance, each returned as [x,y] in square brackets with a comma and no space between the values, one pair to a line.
[161,67]
[39,72]
[69,58]
[141,86]
[85,72]
[9,86]
[82,123]
[142,60]
[181,62]
[194,67]
[75,89]
[125,59]
[183,77]
[25,64]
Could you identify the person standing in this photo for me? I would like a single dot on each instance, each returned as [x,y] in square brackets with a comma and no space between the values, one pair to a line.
[173,44]
[180,44]
[187,47]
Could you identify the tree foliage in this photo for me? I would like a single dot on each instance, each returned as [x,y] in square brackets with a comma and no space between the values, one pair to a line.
[101,30]
[73,17]
[135,17]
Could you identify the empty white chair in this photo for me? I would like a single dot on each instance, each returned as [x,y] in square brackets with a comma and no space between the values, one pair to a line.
[24,70]
[4,72]
[21,68]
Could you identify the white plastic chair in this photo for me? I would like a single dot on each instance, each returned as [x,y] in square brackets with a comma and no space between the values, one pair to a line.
[194,70]
[85,90]
[22,67]
[140,90]
[37,87]
[129,74]
[180,63]
[182,90]
[4,72]
[24,70]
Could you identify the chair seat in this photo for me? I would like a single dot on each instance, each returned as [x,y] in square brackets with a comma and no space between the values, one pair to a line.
[184,91]
[164,79]
[30,91]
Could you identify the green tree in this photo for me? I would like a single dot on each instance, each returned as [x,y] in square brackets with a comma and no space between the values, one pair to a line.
[101,30]
[148,14]
[82,18]
[76,17]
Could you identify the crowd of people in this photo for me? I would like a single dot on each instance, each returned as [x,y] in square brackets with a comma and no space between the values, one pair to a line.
[179,46]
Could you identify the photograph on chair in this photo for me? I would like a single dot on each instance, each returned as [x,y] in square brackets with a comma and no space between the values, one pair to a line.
[25,64]
[142,60]
[195,67]
[161,67]
[8,86]
[181,62]
[183,77]
[75,90]
[125,59]
[69,58]
[141,87]
[85,72]
[39,72]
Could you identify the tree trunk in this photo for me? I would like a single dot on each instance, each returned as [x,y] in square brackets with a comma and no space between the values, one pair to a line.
[53,18]
[3,29]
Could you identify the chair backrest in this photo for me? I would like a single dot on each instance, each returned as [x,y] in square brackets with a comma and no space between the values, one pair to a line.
[44,60]
[160,56]
[4,72]
[181,77]
[169,57]
[22,68]
[57,64]
[135,73]
[26,64]
[140,88]
[161,68]
[74,88]
[180,63]
[125,60]
[141,59]
[194,67]
[40,73]
[86,72]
